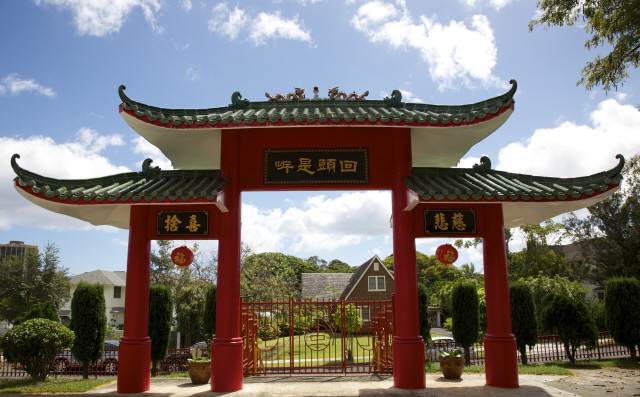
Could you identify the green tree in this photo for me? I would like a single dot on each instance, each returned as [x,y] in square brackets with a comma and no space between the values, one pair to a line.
[622,311]
[269,276]
[538,258]
[523,317]
[542,286]
[337,266]
[466,322]
[189,300]
[89,322]
[39,310]
[614,23]
[40,278]
[430,270]
[609,238]
[160,319]
[571,320]
[163,271]
[423,311]
[34,345]
[209,317]
[352,323]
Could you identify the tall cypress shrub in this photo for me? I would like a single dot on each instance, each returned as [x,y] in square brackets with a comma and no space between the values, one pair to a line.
[523,317]
[423,310]
[160,318]
[209,317]
[89,322]
[622,311]
[465,315]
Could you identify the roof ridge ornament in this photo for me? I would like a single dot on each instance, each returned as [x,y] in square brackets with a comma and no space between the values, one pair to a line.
[484,166]
[237,102]
[395,100]
[125,99]
[149,172]
[296,95]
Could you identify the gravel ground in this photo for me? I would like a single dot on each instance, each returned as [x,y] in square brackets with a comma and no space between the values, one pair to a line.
[605,382]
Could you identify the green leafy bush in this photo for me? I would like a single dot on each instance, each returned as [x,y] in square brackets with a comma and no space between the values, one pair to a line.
[34,345]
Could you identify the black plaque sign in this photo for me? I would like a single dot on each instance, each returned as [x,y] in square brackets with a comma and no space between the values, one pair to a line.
[182,223]
[449,221]
[315,166]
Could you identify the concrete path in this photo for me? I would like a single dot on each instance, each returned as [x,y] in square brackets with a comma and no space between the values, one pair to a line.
[470,385]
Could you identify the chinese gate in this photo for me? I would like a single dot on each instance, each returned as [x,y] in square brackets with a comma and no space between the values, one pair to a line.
[317,337]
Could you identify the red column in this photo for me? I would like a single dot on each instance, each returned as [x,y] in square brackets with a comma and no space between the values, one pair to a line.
[408,345]
[226,348]
[499,344]
[135,346]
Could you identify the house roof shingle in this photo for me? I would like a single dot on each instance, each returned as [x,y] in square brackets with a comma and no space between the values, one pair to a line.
[103,277]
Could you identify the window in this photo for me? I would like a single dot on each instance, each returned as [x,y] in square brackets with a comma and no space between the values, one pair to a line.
[117,292]
[376,266]
[364,313]
[376,283]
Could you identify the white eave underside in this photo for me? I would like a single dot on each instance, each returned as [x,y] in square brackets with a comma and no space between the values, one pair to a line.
[117,215]
[199,149]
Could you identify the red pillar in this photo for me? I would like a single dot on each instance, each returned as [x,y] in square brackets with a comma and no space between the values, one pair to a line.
[226,348]
[135,346]
[499,344]
[408,345]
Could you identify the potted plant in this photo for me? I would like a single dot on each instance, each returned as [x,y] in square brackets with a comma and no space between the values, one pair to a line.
[199,369]
[451,363]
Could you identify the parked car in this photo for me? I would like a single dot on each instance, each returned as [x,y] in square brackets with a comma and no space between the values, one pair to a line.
[176,360]
[439,343]
[65,361]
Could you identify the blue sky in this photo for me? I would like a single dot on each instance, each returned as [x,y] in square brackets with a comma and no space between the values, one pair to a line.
[63,61]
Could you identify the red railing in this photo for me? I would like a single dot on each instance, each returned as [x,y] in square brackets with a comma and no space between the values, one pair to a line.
[373,353]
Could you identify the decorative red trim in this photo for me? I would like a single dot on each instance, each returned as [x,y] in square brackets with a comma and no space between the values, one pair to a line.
[305,123]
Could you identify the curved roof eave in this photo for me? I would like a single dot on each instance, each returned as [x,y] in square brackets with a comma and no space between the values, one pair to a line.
[526,199]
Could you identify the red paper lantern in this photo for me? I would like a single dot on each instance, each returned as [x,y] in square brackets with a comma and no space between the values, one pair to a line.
[182,256]
[447,254]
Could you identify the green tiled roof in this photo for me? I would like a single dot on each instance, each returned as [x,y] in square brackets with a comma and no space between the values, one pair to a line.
[150,184]
[481,183]
[388,111]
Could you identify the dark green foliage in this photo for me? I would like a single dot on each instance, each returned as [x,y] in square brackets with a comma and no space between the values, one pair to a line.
[89,322]
[609,238]
[40,278]
[209,317]
[39,310]
[596,308]
[34,345]
[160,318]
[612,24]
[523,317]
[571,320]
[465,315]
[423,310]
[622,311]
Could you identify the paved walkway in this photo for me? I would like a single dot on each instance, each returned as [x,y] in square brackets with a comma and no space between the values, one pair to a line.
[470,385]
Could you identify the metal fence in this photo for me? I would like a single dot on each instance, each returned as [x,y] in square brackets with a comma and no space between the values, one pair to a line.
[549,348]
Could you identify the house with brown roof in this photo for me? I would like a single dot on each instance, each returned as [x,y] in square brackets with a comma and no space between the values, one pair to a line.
[371,281]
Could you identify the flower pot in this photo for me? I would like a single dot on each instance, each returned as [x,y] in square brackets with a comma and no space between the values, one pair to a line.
[452,367]
[199,371]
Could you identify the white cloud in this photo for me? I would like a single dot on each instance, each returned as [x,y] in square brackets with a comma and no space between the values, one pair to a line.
[320,224]
[572,149]
[103,17]
[192,74]
[42,155]
[147,150]
[454,52]
[259,28]
[496,4]
[186,5]
[14,85]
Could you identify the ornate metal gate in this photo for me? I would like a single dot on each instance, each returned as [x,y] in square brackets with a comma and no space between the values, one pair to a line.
[317,337]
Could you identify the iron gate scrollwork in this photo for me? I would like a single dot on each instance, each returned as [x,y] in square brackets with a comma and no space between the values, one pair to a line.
[317,337]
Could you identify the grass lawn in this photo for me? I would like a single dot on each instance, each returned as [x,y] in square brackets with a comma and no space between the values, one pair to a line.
[560,368]
[57,385]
